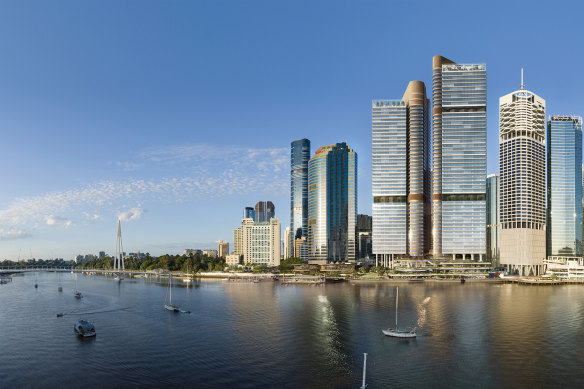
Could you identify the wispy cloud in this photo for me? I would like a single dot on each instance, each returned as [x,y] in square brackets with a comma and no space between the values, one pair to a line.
[92,217]
[132,214]
[211,172]
[53,221]
[264,159]
[128,166]
[14,234]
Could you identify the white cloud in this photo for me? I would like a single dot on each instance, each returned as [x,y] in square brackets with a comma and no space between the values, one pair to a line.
[132,214]
[14,234]
[53,220]
[92,217]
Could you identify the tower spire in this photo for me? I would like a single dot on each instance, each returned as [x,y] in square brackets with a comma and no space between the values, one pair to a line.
[522,78]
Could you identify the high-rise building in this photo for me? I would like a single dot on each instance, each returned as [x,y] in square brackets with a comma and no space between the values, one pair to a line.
[401,175]
[249,213]
[301,248]
[522,182]
[261,242]
[299,157]
[264,211]
[288,252]
[332,204]
[238,240]
[223,249]
[564,188]
[493,225]
[363,236]
[459,159]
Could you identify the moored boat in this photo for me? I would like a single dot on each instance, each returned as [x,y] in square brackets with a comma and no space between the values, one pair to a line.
[399,332]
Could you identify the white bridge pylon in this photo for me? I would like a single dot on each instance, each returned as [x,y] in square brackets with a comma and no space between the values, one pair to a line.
[119,257]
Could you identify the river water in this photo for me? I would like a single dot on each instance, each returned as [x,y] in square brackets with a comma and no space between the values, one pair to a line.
[246,335]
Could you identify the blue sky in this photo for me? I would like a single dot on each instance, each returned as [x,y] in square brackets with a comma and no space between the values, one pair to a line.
[175,115]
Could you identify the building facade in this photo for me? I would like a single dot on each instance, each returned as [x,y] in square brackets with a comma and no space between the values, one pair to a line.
[522,182]
[401,176]
[299,157]
[332,204]
[249,213]
[288,252]
[238,240]
[223,249]
[459,160]
[493,224]
[564,188]
[264,211]
[363,236]
[212,253]
[261,242]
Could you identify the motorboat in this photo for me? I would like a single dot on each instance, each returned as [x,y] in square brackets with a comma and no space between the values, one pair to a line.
[84,329]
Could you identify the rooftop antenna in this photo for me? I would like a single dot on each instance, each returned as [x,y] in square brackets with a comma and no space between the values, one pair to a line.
[522,79]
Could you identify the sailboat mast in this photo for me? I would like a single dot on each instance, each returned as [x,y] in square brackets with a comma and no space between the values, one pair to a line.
[170,288]
[396,302]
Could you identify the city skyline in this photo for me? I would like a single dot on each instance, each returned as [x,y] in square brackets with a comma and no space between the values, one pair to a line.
[125,118]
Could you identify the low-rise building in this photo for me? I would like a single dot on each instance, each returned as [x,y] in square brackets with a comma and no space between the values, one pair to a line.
[233,259]
[210,253]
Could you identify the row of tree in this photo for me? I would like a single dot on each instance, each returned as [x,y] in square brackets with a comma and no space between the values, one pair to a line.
[192,263]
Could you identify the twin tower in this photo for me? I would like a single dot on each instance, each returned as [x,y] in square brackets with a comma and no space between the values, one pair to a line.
[431,206]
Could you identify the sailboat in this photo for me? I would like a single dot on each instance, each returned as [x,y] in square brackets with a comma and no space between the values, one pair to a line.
[188,279]
[399,332]
[78,294]
[119,256]
[170,306]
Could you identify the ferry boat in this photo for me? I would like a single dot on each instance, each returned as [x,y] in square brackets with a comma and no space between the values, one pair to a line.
[84,329]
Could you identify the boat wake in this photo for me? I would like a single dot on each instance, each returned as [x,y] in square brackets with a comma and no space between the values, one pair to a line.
[92,312]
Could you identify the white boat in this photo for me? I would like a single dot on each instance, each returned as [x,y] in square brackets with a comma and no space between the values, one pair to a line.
[399,332]
[78,294]
[84,329]
[170,306]
[119,256]
[187,280]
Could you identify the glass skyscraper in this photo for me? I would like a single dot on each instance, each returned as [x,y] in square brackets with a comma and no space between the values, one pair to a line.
[299,157]
[332,204]
[564,187]
[249,213]
[522,182]
[401,176]
[493,226]
[459,159]
[264,211]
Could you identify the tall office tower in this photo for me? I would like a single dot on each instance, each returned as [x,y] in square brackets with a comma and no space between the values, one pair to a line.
[299,157]
[401,176]
[261,242]
[287,240]
[264,211]
[249,213]
[459,159]
[493,224]
[238,240]
[564,188]
[223,249]
[363,237]
[332,204]
[522,182]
